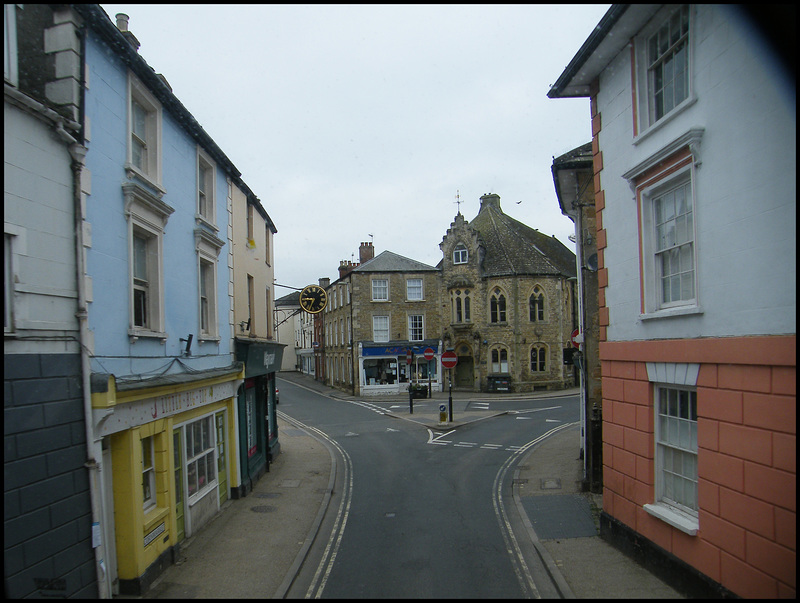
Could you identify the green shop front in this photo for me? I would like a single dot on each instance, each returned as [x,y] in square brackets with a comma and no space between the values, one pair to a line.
[258,427]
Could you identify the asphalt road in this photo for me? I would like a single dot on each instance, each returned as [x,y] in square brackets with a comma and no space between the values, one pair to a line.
[417,513]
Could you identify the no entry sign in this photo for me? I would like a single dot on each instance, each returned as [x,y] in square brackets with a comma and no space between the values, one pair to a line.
[449,359]
[429,353]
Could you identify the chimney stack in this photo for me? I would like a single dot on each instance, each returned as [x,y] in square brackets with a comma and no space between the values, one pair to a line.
[122,26]
[366,252]
[346,267]
[324,282]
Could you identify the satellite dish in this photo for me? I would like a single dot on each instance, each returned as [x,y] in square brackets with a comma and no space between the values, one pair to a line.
[591,262]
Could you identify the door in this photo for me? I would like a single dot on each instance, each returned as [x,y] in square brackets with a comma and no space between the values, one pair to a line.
[180,495]
[464,373]
[222,458]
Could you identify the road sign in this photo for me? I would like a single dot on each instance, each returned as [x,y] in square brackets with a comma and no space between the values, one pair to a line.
[449,359]
[429,353]
[577,338]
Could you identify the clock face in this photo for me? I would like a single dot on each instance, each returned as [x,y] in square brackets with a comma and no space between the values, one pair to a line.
[313,299]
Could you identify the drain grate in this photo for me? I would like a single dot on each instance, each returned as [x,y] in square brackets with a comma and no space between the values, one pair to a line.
[262,509]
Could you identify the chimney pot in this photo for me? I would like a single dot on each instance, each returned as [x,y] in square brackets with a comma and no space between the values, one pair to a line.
[122,21]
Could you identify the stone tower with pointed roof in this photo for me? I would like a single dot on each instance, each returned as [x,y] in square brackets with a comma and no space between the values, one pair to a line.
[509,307]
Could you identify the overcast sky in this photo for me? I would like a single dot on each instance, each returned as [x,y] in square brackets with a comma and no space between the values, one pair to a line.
[363,123]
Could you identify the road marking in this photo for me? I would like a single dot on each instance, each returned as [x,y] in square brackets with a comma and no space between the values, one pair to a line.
[522,418]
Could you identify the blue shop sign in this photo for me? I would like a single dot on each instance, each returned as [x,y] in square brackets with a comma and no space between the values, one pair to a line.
[398,350]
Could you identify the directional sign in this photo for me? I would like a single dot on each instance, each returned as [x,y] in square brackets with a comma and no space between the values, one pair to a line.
[449,359]
[429,353]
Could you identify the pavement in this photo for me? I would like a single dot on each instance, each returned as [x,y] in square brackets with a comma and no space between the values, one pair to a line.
[255,545]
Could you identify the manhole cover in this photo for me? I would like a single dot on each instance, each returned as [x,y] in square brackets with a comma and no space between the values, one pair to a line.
[551,483]
[262,509]
[267,495]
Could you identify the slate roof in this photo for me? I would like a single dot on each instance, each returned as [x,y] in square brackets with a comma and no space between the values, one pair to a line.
[388,261]
[513,248]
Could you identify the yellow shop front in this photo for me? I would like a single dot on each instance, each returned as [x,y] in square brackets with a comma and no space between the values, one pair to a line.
[169,463]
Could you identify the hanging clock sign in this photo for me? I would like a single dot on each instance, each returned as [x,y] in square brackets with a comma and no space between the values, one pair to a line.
[313,299]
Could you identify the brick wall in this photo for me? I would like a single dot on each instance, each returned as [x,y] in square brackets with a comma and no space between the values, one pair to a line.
[746,456]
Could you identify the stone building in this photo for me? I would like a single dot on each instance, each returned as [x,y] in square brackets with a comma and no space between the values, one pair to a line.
[508,303]
[378,310]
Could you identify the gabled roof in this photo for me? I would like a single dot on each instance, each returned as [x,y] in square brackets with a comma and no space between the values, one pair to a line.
[513,248]
[391,262]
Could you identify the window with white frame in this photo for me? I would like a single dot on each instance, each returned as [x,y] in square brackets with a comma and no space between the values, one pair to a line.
[675,405]
[208,298]
[416,331]
[147,217]
[380,290]
[663,65]
[676,448]
[206,186]
[201,466]
[148,472]
[414,289]
[460,254]
[144,127]
[380,328]
[668,239]
[499,358]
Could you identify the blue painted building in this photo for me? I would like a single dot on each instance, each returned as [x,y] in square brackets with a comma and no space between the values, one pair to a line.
[156,196]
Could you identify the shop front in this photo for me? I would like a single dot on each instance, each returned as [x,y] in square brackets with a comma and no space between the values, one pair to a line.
[258,427]
[167,465]
[384,367]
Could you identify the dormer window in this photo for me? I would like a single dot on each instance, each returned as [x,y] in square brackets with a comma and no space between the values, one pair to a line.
[460,254]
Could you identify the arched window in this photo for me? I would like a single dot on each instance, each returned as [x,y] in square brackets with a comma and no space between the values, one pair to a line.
[460,254]
[499,360]
[459,300]
[497,306]
[536,304]
[538,358]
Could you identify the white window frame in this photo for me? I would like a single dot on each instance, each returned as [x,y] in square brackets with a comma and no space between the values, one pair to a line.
[460,254]
[378,329]
[10,243]
[149,474]
[648,195]
[419,327]
[414,289]
[667,376]
[647,123]
[151,170]
[147,216]
[191,457]
[207,275]
[206,167]
[380,292]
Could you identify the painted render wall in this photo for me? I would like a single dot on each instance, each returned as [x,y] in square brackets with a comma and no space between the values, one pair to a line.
[107,259]
[743,344]
[745,193]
